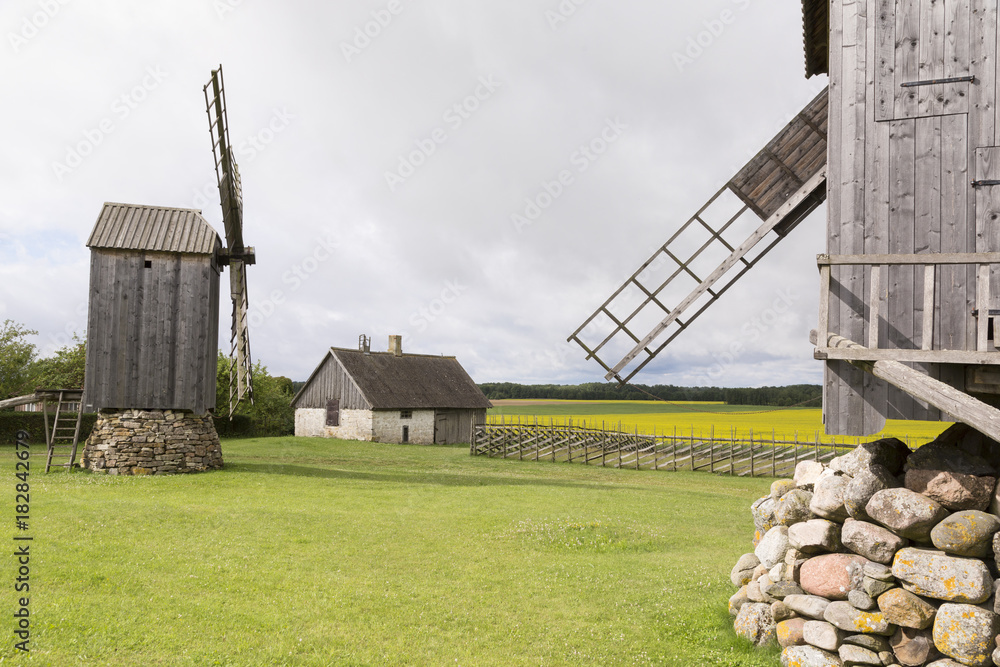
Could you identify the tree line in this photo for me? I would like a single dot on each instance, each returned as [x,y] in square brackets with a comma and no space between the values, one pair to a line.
[22,371]
[602,391]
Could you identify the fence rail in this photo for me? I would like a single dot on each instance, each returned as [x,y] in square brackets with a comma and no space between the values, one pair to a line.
[740,455]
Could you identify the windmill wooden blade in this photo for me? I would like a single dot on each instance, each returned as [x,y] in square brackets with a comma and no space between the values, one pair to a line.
[236,255]
[226,171]
[768,197]
[240,363]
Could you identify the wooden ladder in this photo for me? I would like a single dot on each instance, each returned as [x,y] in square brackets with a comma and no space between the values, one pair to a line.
[64,435]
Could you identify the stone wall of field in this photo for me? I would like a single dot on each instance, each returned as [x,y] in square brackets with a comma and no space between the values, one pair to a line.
[151,442]
[883,557]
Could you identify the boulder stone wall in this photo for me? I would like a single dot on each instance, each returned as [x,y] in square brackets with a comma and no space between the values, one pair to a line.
[152,442]
[883,557]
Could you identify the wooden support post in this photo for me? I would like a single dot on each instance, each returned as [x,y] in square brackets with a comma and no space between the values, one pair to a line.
[983,305]
[691,449]
[752,471]
[873,308]
[773,447]
[927,337]
[824,299]
[732,452]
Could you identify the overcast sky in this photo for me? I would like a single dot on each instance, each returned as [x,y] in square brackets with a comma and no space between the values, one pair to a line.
[386,148]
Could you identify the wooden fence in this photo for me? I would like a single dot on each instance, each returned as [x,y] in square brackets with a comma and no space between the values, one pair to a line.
[750,455]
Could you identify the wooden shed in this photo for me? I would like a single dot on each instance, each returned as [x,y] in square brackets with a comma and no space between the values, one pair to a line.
[153,322]
[910,276]
[389,397]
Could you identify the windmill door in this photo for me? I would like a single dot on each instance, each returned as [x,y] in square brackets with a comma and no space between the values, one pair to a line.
[923,59]
[921,152]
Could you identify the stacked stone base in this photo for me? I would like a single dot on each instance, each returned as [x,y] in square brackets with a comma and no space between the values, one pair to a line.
[152,442]
[885,557]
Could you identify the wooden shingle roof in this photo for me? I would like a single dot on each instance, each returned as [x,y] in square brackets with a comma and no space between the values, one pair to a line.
[154,228]
[816,29]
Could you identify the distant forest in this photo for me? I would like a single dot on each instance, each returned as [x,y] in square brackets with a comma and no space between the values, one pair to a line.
[600,391]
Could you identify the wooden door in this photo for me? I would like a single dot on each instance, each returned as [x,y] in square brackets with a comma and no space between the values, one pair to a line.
[918,42]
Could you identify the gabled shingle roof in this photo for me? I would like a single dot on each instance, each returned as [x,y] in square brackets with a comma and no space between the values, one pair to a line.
[816,29]
[411,381]
[155,228]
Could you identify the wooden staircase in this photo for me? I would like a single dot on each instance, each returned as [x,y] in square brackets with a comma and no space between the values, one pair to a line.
[64,435]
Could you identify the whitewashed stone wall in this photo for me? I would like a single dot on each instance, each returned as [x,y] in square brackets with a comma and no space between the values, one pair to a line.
[388,426]
[354,424]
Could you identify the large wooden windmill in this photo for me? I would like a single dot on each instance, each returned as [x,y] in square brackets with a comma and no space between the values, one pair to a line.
[910,283]
[153,323]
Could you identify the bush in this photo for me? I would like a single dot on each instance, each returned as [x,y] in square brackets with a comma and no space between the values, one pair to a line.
[34,423]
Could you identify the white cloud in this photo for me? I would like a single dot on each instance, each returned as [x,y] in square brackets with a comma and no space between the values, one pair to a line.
[323,175]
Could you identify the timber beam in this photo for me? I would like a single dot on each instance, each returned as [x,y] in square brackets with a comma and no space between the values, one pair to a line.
[956,404]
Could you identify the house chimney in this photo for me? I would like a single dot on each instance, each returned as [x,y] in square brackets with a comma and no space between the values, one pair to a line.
[396,345]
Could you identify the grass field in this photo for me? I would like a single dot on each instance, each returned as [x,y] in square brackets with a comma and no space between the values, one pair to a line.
[316,552]
[661,417]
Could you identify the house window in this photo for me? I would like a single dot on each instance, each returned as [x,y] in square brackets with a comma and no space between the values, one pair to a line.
[406,414]
[406,434]
[148,264]
[333,412]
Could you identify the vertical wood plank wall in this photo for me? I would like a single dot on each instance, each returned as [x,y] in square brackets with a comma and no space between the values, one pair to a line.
[152,332]
[901,161]
[332,381]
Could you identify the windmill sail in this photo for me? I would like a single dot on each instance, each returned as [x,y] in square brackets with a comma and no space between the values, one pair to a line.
[770,195]
[237,255]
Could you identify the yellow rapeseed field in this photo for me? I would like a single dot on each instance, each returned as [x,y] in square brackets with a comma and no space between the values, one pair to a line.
[803,424]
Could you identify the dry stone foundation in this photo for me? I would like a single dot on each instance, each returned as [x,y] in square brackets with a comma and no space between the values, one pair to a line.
[885,557]
[152,442]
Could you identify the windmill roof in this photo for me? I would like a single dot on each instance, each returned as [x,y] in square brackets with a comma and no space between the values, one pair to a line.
[816,30]
[156,228]
[410,381]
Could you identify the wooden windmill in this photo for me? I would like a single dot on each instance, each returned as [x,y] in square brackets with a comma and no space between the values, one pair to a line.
[910,283]
[236,255]
[153,323]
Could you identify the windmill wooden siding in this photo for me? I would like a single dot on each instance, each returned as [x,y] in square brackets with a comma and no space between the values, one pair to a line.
[902,159]
[378,394]
[152,325]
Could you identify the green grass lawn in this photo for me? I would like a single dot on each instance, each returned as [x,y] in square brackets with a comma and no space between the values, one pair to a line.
[317,552]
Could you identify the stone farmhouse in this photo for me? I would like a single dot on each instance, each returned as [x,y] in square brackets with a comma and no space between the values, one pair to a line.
[389,397]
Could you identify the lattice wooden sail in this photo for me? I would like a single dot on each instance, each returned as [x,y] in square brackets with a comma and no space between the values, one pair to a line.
[236,255]
[769,196]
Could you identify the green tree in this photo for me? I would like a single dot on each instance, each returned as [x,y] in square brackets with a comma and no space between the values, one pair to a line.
[63,370]
[16,358]
[271,411]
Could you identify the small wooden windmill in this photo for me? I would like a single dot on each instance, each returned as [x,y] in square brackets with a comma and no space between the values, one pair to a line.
[153,323]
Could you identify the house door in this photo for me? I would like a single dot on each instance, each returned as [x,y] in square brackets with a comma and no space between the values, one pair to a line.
[447,427]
